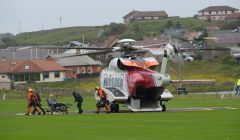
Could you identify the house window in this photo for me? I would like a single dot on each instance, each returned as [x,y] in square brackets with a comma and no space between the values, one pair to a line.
[34,76]
[89,70]
[46,75]
[27,77]
[3,76]
[26,67]
[209,12]
[19,77]
[83,70]
[56,74]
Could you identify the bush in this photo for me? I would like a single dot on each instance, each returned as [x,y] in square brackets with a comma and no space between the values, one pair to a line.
[114,28]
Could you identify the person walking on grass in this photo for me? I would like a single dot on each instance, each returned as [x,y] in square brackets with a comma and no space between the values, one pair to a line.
[39,103]
[102,102]
[79,99]
[237,87]
[32,102]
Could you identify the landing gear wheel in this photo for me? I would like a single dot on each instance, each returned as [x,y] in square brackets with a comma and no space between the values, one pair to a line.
[116,109]
[163,107]
[51,110]
[112,107]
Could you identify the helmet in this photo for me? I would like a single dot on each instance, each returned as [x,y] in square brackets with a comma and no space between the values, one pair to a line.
[97,87]
[30,90]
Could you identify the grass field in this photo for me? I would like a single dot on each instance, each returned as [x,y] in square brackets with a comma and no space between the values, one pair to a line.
[222,124]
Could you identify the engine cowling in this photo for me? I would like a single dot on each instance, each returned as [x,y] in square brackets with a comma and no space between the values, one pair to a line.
[114,63]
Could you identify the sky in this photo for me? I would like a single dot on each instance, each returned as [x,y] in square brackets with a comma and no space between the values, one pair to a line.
[32,15]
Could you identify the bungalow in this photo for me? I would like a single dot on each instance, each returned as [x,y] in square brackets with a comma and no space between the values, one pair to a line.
[77,66]
[144,15]
[216,12]
[13,72]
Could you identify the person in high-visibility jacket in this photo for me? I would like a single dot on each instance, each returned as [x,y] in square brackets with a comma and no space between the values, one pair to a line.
[102,102]
[237,86]
[32,102]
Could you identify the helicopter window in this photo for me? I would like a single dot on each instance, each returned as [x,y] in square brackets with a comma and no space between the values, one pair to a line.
[109,82]
[117,82]
[152,67]
[121,81]
[120,65]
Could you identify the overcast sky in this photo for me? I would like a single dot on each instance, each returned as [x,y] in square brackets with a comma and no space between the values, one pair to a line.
[33,15]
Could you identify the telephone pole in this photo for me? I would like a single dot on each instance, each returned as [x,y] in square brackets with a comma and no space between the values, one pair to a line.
[60,22]
[19,27]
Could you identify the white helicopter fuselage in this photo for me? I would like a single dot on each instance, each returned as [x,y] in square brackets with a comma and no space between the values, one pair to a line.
[130,82]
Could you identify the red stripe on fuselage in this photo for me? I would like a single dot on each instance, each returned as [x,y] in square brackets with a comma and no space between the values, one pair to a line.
[139,79]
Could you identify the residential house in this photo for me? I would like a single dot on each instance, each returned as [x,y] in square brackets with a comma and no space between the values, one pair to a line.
[233,18]
[216,12]
[77,51]
[144,15]
[228,39]
[77,66]
[13,72]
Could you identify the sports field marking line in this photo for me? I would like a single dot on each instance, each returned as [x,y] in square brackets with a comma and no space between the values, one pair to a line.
[230,108]
[21,114]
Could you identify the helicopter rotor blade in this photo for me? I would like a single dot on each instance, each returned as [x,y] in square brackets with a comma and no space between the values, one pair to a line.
[203,49]
[154,45]
[80,48]
[89,53]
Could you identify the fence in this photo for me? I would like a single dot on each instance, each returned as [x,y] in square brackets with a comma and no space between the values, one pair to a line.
[205,88]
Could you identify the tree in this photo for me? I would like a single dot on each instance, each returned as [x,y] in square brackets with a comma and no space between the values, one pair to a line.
[178,25]
[198,41]
[114,28]
[169,24]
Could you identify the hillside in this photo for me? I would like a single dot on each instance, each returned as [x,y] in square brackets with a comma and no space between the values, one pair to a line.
[93,34]
[59,36]
[148,28]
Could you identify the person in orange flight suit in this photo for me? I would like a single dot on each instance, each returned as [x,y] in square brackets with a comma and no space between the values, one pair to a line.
[103,102]
[32,102]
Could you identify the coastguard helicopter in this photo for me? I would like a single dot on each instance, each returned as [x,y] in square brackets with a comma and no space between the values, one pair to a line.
[133,81]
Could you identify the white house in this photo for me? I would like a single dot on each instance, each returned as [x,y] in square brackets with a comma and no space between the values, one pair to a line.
[216,12]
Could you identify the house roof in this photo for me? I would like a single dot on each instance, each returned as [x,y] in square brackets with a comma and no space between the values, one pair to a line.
[82,60]
[135,14]
[130,14]
[23,53]
[150,14]
[153,40]
[228,38]
[218,8]
[19,66]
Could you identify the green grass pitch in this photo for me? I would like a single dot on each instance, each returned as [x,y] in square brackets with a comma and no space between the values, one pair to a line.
[221,124]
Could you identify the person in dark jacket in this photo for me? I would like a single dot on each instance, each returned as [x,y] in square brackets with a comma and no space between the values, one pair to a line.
[78,98]
[39,103]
